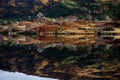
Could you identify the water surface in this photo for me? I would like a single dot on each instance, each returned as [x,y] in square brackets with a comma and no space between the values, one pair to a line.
[64,57]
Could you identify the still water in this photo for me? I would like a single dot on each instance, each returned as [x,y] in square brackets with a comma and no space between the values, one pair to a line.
[64,57]
[5,75]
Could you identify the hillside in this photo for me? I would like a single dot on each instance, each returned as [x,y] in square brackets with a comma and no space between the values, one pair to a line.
[83,9]
[18,8]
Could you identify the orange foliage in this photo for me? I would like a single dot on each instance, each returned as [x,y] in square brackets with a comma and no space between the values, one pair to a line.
[65,40]
[49,27]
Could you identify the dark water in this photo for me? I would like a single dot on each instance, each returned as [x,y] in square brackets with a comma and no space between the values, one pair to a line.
[64,57]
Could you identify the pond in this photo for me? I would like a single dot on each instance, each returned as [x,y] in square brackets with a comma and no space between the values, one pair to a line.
[63,57]
[5,75]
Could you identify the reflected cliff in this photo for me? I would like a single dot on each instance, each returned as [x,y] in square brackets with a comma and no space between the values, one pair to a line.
[65,57]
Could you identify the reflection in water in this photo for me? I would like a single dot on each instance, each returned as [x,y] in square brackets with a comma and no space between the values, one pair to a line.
[4,75]
[65,57]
